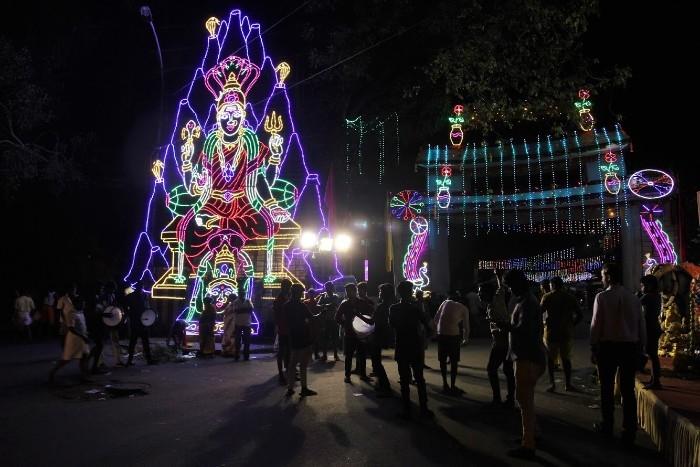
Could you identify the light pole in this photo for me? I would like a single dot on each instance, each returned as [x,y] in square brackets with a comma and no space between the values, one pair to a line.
[148,16]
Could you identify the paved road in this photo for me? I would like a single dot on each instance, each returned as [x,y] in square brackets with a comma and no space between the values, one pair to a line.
[220,412]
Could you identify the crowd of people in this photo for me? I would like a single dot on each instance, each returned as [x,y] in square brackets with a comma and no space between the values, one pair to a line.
[530,335]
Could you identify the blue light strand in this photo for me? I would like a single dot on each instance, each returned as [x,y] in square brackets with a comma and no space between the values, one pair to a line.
[580,177]
[609,146]
[602,179]
[398,142]
[539,166]
[464,194]
[476,204]
[623,168]
[554,182]
[503,197]
[488,193]
[515,184]
[529,182]
[565,145]
[447,211]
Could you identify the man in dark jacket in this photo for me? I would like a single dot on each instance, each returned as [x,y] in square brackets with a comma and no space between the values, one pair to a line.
[407,320]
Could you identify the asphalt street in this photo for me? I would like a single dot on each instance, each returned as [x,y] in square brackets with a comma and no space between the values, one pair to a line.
[221,412]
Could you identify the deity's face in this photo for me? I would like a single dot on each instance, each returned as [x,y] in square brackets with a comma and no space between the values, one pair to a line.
[219,294]
[230,117]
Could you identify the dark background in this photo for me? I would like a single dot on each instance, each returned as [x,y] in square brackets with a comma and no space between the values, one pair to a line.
[98,63]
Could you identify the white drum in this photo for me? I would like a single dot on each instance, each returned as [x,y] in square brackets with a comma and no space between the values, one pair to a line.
[362,329]
[148,317]
[112,316]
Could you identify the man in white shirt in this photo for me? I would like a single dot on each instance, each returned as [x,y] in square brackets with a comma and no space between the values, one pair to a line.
[243,312]
[617,333]
[24,308]
[447,319]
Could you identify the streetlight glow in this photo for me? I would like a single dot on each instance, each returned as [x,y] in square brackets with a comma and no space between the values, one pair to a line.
[308,240]
[326,244]
[343,242]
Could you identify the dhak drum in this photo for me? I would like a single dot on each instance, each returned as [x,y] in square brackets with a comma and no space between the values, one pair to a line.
[148,317]
[362,329]
[112,316]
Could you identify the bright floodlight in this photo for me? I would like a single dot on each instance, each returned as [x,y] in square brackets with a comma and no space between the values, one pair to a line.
[326,244]
[308,240]
[343,242]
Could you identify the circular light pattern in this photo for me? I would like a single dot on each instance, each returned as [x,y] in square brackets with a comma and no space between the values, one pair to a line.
[446,171]
[406,204]
[651,184]
[419,225]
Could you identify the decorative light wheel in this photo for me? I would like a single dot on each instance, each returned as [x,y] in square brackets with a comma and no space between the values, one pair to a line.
[406,205]
[419,225]
[651,184]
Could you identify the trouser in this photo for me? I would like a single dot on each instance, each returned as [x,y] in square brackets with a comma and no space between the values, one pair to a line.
[526,375]
[378,367]
[498,357]
[282,353]
[242,333]
[133,336]
[331,341]
[612,356]
[559,347]
[405,368]
[96,352]
[352,345]
[300,357]
[116,348]
[653,352]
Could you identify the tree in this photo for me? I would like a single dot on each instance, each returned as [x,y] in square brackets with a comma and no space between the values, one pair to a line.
[507,61]
[30,147]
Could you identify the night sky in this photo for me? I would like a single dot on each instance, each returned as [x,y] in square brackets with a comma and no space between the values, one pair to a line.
[98,62]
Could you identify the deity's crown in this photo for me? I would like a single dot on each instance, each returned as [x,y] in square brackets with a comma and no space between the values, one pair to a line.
[231,79]
[224,255]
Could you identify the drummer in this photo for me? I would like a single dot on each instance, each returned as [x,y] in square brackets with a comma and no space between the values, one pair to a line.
[350,308]
[135,306]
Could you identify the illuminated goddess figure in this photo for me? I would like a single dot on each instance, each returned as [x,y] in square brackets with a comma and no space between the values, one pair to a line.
[232,201]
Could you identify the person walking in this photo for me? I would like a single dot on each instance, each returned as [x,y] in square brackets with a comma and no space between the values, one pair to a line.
[135,306]
[76,345]
[282,329]
[243,310]
[329,302]
[348,310]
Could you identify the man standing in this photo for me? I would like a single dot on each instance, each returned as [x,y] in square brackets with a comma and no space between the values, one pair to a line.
[329,304]
[366,309]
[243,311]
[316,323]
[618,332]
[347,311]
[281,328]
[561,314]
[497,314]
[135,306]
[447,319]
[407,321]
[298,319]
[527,352]
[24,309]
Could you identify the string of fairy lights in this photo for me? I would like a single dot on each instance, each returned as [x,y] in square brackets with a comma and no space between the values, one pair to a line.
[357,136]
[493,194]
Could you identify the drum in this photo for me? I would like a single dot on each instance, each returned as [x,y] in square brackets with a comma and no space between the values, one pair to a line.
[362,329]
[148,317]
[112,316]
